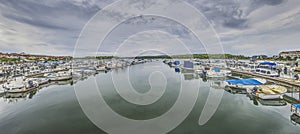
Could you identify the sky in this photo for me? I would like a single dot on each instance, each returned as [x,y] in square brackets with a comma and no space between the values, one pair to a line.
[107,27]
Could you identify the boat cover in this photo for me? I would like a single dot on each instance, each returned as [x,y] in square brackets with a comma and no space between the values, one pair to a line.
[297,105]
[176,62]
[249,81]
[268,63]
[188,64]
[216,69]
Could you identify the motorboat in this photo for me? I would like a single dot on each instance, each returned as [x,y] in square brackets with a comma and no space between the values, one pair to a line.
[268,91]
[101,68]
[216,72]
[267,68]
[295,108]
[19,85]
[245,83]
[41,81]
[59,76]
[266,72]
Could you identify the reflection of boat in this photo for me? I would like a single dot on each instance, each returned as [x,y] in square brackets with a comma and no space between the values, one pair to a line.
[275,102]
[189,76]
[268,91]
[235,90]
[14,97]
[295,119]
[245,83]
[217,84]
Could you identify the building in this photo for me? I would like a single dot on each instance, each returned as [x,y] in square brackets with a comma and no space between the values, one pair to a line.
[259,57]
[291,54]
[31,56]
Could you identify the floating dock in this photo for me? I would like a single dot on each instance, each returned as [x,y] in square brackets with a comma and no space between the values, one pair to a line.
[285,81]
[292,97]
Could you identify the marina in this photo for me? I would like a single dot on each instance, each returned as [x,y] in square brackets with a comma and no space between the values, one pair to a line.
[59,96]
[149,67]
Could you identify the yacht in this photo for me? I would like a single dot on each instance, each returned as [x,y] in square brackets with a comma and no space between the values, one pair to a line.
[59,76]
[19,85]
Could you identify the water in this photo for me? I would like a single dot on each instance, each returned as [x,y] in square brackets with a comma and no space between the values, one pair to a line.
[55,108]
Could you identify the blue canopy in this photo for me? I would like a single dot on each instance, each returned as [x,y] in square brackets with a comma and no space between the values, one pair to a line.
[188,64]
[216,69]
[268,63]
[249,81]
[176,62]
[297,105]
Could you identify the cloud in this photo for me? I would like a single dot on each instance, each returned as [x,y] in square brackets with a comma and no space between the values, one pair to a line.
[52,27]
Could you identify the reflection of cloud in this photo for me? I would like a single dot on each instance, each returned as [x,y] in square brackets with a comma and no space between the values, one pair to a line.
[52,27]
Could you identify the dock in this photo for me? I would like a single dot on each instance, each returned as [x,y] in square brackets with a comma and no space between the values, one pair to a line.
[286,81]
[292,97]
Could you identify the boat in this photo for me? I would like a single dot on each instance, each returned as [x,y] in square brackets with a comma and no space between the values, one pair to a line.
[245,83]
[101,68]
[295,108]
[41,81]
[267,68]
[216,72]
[268,91]
[59,76]
[20,85]
[175,64]
[187,67]
[266,72]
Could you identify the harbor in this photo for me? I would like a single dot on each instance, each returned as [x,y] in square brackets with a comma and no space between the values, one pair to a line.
[149,67]
[60,96]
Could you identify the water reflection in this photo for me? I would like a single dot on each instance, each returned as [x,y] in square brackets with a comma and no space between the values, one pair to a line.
[15,97]
[293,95]
[295,119]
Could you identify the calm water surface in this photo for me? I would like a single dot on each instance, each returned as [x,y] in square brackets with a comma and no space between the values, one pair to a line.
[55,108]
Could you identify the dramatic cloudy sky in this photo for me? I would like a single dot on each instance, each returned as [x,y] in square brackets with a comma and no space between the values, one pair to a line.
[246,27]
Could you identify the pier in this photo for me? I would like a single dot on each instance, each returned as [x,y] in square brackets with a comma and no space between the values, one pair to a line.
[285,81]
[292,97]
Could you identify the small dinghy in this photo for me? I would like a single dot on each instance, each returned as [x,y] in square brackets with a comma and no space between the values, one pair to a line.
[245,83]
[268,91]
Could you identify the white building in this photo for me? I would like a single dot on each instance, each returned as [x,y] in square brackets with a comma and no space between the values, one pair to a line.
[291,54]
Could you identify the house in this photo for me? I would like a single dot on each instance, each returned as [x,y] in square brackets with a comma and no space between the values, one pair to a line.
[259,57]
[290,54]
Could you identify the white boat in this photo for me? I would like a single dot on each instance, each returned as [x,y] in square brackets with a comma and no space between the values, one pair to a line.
[267,68]
[216,72]
[268,91]
[266,72]
[19,85]
[59,76]
[187,67]
[245,83]
[101,68]
[295,108]
[41,81]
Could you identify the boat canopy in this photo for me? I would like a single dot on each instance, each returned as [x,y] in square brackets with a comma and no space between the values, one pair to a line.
[188,64]
[176,62]
[216,69]
[249,81]
[268,63]
[297,105]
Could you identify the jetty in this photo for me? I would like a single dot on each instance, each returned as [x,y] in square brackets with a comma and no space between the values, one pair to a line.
[285,81]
